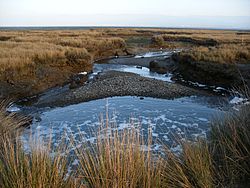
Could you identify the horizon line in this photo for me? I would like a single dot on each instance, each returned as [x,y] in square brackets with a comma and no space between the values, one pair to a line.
[54,27]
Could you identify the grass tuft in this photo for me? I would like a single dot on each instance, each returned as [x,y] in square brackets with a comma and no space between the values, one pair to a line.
[230,143]
[28,169]
[193,168]
[118,159]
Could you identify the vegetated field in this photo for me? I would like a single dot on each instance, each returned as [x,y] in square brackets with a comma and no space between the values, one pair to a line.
[117,158]
[32,61]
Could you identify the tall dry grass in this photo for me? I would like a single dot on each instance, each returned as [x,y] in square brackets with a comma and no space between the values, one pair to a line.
[119,159]
[33,61]
[206,37]
[192,168]
[20,168]
[230,143]
[208,45]
[228,54]
[9,122]
[122,158]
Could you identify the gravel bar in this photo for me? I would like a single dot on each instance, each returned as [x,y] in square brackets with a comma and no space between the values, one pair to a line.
[115,83]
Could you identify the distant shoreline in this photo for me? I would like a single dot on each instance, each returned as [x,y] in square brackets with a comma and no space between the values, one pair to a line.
[105,27]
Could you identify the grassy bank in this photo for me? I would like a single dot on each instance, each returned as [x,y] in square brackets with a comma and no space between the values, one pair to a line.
[209,45]
[32,61]
[210,57]
[117,159]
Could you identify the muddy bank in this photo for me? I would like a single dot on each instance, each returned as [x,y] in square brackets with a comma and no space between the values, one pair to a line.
[159,61]
[114,83]
[217,74]
[32,62]
[140,59]
[184,68]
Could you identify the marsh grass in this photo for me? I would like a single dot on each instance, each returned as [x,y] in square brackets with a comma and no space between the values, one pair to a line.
[9,122]
[123,158]
[33,61]
[208,46]
[230,143]
[119,159]
[20,168]
[36,168]
[225,53]
[192,168]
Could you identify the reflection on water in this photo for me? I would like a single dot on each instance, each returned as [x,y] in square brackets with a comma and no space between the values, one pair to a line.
[142,71]
[155,54]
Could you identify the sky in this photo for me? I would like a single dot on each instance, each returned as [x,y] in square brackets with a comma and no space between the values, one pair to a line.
[149,13]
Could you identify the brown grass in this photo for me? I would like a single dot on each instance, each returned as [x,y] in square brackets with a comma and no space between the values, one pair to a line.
[117,159]
[32,61]
[193,168]
[28,169]
[10,122]
[19,169]
[226,53]
[230,143]
[208,46]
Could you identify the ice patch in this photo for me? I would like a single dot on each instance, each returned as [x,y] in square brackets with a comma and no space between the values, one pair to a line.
[169,77]
[91,139]
[195,125]
[161,117]
[86,123]
[39,127]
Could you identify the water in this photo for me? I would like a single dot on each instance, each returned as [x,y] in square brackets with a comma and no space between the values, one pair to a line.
[170,120]
[181,118]
[154,54]
[142,71]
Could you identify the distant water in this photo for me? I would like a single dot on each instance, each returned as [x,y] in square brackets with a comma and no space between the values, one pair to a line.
[96,27]
[62,27]
[50,28]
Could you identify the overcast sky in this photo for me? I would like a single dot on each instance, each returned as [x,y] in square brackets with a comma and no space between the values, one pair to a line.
[158,13]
